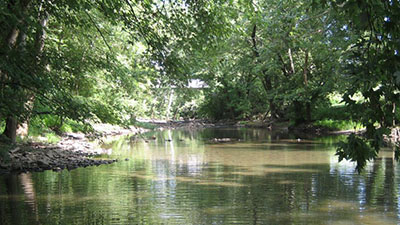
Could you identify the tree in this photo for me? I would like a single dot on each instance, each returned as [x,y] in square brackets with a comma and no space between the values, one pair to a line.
[276,59]
[371,31]
[68,45]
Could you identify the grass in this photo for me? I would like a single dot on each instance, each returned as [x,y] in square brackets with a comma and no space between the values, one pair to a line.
[48,128]
[46,136]
[52,138]
[338,124]
[2,126]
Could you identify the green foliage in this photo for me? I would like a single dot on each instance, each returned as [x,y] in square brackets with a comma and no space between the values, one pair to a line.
[2,126]
[338,124]
[52,138]
[231,103]
[97,61]
[325,111]
[275,61]
[37,127]
[112,61]
[356,150]
[50,127]
[73,126]
[52,124]
[370,30]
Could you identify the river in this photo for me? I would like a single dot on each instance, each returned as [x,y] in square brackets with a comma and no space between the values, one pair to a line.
[182,177]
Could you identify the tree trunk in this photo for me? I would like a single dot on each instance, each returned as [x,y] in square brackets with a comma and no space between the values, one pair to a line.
[308,112]
[11,129]
[171,96]
[266,79]
[268,87]
[11,41]
[23,128]
[291,61]
[299,113]
[305,76]
[11,122]
[305,69]
[394,115]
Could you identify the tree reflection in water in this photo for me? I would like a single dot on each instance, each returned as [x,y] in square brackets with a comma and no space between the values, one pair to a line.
[263,178]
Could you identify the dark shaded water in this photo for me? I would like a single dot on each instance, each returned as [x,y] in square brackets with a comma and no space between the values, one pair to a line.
[262,178]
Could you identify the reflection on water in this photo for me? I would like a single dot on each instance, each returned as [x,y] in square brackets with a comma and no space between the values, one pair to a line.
[258,178]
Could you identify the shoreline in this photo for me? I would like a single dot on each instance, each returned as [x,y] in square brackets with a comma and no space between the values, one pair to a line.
[270,125]
[75,150]
[78,150]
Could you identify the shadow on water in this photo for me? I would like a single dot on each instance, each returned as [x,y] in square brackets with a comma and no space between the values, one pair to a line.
[186,181]
[271,146]
[285,197]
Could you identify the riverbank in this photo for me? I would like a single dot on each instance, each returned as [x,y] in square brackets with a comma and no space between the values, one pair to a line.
[75,150]
[269,124]
[306,129]
[72,151]
[79,150]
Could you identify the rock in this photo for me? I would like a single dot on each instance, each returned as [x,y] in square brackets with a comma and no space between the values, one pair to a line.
[72,152]
[78,136]
[43,163]
[221,140]
[50,154]
[57,169]
[5,165]
[14,150]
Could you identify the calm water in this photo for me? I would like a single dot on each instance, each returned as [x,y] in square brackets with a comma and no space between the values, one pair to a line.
[262,178]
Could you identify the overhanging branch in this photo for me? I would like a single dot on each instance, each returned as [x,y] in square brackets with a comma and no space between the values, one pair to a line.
[98,29]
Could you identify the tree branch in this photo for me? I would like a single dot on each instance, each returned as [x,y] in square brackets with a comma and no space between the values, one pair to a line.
[98,29]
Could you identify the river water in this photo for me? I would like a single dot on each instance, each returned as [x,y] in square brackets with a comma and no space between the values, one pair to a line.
[260,178]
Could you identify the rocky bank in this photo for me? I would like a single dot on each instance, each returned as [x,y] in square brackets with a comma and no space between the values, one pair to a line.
[73,151]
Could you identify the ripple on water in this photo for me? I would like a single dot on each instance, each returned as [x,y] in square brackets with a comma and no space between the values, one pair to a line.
[260,180]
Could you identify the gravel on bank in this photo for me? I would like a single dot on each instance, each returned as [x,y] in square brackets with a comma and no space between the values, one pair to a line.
[72,151]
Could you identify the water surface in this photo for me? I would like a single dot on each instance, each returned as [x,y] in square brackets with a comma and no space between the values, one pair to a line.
[184,178]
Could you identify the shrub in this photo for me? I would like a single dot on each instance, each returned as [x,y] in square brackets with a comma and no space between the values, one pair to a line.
[338,124]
